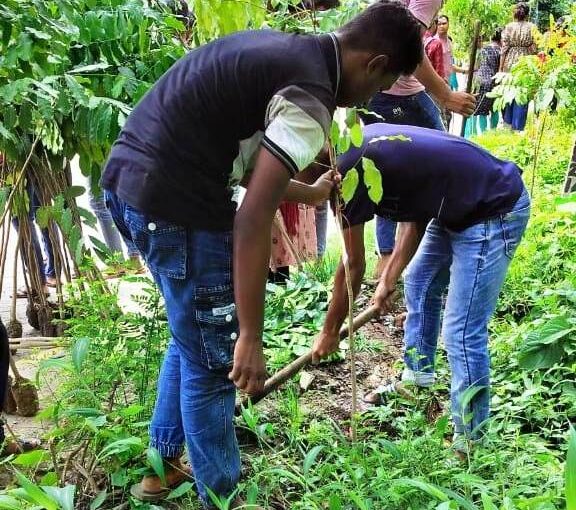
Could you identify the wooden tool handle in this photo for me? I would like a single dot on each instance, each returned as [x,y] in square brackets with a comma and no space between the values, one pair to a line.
[298,364]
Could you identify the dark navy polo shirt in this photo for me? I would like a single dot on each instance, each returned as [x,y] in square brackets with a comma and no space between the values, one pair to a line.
[431,175]
[194,135]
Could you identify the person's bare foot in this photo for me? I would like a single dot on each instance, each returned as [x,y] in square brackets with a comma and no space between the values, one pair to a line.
[51,281]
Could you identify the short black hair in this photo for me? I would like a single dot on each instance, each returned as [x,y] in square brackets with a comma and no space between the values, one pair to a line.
[387,28]
[445,17]
[521,11]
[497,35]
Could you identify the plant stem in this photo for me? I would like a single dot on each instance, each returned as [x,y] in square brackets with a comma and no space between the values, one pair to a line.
[348,278]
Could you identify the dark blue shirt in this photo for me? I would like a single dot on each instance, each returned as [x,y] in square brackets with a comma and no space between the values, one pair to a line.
[192,138]
[431,175]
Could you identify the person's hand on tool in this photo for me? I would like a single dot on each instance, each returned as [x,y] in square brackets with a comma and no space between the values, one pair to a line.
[324,345]
[384,296]
[249,370]
[460,102]
[324,185]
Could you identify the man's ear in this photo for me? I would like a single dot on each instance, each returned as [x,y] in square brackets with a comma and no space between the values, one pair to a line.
[378,64]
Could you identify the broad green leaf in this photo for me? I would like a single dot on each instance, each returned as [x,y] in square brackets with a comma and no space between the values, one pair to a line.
[80,351]
[10,503]
[50,478]
[88,216]
[334,133]
[74,192]
[469,394]
[311,458]
[119,478]
[180,490]
[98,501]
[356,135]
[38,34]
[64,495]
[78,92]
[487,502]
[373,180]
[119,446]
[5,133]
[36,493]
[543,347]
[66,221]
[551,331]
[428,488]
[349,184]
[32,458]
[79,251]
[155,460]
[43,215]
[335,503]
[570,472]
[89,68]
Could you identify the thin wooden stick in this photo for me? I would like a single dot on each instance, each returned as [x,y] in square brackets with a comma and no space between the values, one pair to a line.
[349,290]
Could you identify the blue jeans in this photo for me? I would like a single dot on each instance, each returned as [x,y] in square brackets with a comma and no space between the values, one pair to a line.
[195,403]
[415,110]
[109,230]
[321,214]
[472,265]
[44,261]
[515,115]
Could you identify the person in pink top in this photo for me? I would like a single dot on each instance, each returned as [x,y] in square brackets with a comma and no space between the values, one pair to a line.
[433,48]
[407,102]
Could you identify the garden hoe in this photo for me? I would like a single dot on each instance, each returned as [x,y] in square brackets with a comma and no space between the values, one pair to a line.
[24,392]
[280,377]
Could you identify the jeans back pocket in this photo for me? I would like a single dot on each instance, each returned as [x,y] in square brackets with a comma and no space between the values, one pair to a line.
[218,324]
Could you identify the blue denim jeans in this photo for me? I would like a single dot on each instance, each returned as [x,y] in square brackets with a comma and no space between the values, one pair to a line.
[195,403]
[415,110]
[472,265]
[109,230]
[45,260]
[321,214]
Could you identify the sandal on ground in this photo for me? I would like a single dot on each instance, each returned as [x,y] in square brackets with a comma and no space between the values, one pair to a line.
[377,396]
[150,488]
[20,446]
